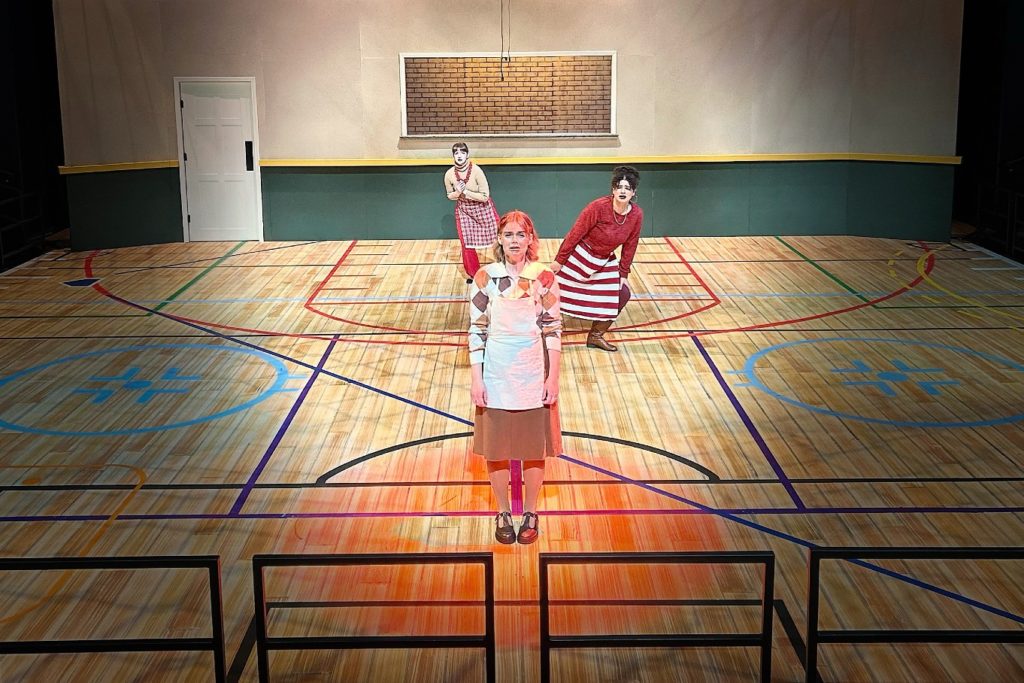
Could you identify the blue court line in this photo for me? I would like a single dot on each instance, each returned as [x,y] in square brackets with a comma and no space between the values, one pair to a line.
[308,366]
[276,441]
[749,424]
[614,475]
[798,541]
[129,270]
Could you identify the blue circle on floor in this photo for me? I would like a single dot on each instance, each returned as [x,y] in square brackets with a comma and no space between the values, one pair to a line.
[143,391]
[750,370]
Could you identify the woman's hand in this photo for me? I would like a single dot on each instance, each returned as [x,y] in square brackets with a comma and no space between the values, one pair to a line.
[555,266]
[478,392]
[550,396]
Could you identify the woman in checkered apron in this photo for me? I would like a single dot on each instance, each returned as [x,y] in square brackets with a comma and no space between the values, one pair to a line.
[515,351]
[591,278]
[476,219]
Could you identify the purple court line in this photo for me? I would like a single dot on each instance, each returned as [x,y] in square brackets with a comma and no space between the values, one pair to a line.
[670,512]
[707,509]
[779,472]
[756,526]
[516,473]
[276,441]
[278,354]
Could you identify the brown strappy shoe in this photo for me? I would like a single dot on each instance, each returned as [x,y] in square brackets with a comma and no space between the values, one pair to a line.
[529,530]
[504,532]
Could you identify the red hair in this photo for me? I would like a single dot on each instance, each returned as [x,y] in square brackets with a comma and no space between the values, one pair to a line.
[520,219]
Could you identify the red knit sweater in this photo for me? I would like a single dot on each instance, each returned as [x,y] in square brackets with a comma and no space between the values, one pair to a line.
[598,226]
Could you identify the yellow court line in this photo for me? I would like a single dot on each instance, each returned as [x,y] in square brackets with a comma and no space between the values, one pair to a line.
[973,302]
[962,311]
[91,543]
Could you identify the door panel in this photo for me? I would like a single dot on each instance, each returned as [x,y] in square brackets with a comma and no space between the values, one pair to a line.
[221,195]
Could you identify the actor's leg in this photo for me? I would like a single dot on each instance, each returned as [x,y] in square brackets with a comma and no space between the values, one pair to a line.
[470,261]
[499,475]
[533,474]
[596,340]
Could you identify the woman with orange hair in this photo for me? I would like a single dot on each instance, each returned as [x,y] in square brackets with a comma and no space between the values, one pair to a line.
[514,352]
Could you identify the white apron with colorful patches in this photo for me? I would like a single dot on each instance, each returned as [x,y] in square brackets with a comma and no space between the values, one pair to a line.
[514,355]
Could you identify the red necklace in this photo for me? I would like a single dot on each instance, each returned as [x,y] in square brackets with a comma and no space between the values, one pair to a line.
[469,169]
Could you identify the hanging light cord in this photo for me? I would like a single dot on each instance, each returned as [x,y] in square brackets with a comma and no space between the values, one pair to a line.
[506,53]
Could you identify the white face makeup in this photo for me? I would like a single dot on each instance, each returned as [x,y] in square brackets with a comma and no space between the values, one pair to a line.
[514,242]
[623,191]
[460,156]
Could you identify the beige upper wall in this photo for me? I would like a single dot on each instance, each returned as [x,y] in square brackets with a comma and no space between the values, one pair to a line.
[694,76]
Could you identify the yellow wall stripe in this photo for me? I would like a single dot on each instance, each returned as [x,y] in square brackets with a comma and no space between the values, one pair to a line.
[126,166]
[540,161]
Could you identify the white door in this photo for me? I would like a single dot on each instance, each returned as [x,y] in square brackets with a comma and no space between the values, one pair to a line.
[219,160]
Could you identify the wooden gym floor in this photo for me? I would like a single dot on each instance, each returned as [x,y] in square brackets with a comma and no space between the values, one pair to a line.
[768,394]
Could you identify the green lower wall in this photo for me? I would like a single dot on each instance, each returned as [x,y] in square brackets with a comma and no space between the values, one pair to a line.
[124,208]
[906,201]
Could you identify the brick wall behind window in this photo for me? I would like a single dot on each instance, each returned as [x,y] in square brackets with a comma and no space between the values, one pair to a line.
[540,94]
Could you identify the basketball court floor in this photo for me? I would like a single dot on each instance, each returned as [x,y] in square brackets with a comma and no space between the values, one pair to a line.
[769,394]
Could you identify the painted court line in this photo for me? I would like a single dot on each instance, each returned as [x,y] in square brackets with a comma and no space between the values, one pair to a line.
[825,272]
[107,521]
[397,514]
[749,424]
[447,298]
[804,543]
[200,276]
[276,441]
[793,539]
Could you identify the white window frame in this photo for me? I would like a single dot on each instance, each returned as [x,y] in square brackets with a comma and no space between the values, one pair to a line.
[613,122]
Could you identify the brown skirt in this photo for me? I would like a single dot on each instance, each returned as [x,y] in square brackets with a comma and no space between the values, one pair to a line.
[517,434]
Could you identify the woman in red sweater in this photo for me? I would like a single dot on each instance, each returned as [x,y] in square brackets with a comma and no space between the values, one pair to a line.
[591,279]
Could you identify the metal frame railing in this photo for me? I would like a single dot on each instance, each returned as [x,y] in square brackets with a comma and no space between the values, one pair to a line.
[214,644]
[816,636]
[763,640]
[265,643]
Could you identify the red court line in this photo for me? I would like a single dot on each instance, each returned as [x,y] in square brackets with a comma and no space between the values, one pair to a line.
[270,333]
[316,311]
[715,301]
[930,264]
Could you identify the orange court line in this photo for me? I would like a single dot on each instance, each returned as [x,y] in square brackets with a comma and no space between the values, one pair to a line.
[93,540]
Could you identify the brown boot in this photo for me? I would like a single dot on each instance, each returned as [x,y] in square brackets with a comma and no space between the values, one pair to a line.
[596,340]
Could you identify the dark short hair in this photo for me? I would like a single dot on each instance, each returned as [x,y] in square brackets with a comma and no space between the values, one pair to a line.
[460,145]
[627,173]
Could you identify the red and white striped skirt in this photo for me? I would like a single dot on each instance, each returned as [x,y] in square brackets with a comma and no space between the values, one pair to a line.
[589,285]
[477,223]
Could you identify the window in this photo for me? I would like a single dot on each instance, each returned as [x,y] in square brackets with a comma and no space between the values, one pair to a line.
[526,94]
